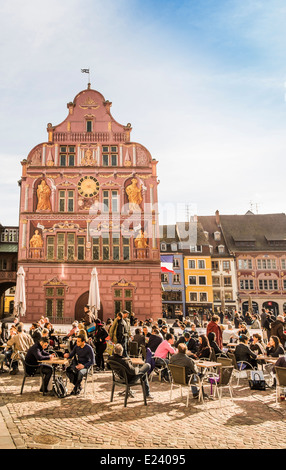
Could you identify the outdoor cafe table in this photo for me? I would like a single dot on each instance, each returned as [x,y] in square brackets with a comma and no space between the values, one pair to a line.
[54,362]
[137,361]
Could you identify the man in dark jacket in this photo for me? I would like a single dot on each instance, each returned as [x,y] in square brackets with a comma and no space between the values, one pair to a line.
[182,359]
[83,358]
[132,375]
[243,353]
[122,333]
[33,358]
[154,340]
[277,328]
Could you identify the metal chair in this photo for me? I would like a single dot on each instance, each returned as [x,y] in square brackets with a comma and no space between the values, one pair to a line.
[37,371]
[158,369]
[225,361]
[85,378]
[133,349]
[119,378]
[239,370]
[224,380]
[178,378]
[280,380]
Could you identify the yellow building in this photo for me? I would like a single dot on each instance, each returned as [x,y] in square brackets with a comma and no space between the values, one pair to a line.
[9,301]
[197,267]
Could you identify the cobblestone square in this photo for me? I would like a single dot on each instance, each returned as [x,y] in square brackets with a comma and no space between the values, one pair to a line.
[30,421]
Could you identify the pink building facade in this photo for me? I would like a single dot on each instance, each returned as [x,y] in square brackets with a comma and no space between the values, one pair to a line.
[89,199]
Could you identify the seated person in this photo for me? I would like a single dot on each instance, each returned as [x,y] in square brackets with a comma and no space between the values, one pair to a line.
[83,357]
[139,337]
[274,348]
[243,353]
[182,359]
[154,339]
[204,350]
[146,333]
[36,353]
[35,332]
[193,332]
[161,355]
[257,344]
[132,374]
[243,330]
[20,342]
[213,343]
[70,337]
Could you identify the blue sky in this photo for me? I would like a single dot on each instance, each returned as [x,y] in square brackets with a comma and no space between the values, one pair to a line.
[202,83]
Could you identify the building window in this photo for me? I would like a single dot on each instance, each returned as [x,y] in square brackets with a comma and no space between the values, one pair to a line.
[221,248]
[88,126]
[266,264]
[246,284]
[201,264]
[216,295]
[176,279]
[80,248]
[217,236]
[193,297]
[202,280]
[227,281]
[192,264]
[109,247]
[110,155]
[215,265]
[174,246]
[245,264]
[203,297]
[176,263]
[123,299]
[55,301]
[228,296]
[195,248]
[192,280]
[163,247]
[67,155]
[283,263]
[110,200]
[164,277]
[268,284]
[66,200]
[216,281]
[226,265]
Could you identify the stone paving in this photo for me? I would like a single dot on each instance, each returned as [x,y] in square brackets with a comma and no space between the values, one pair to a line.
[30,421]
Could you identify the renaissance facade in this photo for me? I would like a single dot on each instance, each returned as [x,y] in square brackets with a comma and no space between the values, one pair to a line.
[89,199]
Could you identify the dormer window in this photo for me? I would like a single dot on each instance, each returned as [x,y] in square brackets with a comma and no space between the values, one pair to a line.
[163,247]
[174,246]
[221,248]
[217,236]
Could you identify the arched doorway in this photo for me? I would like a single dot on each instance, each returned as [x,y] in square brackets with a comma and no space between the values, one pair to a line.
[79,307]
[272,307]
[245,307]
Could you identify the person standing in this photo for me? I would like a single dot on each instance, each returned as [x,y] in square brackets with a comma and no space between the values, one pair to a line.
[122,332]
[100,345]
[20,342]
[214,327]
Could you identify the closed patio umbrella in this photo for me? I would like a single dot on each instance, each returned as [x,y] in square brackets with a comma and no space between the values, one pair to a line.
[20,294]
[250,307]
[94,297]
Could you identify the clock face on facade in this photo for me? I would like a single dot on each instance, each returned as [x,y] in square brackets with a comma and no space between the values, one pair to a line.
[88,186]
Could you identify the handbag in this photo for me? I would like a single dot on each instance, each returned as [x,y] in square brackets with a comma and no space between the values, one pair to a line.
[257,383]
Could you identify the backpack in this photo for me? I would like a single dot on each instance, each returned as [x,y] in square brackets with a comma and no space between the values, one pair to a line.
[59,388]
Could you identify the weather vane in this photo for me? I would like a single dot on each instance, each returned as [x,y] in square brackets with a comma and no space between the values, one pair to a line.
[86,71]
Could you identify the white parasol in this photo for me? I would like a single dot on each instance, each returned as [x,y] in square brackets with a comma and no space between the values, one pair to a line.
[94,297]
[20,295]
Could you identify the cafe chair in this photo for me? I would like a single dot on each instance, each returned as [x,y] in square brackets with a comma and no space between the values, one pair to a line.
[224,381]
[36,373]
[280,381]
[213,355]
[120,379]
[85,378]
[178,378]
[225,361]
[159,368]
[241,368]
[15,357]
[133,349]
